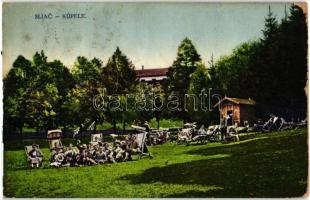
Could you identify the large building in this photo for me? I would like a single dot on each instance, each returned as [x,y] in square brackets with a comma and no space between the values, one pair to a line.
[152,76]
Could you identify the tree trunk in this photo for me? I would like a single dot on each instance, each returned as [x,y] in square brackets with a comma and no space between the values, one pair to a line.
[114,126]
[80,131]
[65,130]
[21,133]
[124,127]
[158,123]
[95,127]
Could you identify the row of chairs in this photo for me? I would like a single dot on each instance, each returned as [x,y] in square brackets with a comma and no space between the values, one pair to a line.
[189,133]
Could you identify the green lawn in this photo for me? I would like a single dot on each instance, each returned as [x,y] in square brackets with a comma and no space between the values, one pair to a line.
[261,165]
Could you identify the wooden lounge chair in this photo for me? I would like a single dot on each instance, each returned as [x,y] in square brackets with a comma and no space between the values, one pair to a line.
[53,137]
[95,138]
[141,140]
[33,161]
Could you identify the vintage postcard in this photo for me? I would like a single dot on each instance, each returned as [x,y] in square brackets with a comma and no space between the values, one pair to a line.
[154,99]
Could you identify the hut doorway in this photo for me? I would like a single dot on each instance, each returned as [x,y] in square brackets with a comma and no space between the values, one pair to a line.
[230,117]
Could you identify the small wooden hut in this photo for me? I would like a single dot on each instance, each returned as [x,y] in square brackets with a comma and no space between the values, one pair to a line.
[240,110]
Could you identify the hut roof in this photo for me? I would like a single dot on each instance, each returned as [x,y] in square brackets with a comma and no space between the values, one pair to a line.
[248,101]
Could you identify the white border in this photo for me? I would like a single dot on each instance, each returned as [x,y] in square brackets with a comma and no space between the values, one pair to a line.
[179,1]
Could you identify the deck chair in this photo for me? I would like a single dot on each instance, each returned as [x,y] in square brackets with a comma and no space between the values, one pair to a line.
[141,140]
[141,137]
[53,137]
[185,135]
[33,161]
[201,136]
[95,138]
[156,136]
[213,133]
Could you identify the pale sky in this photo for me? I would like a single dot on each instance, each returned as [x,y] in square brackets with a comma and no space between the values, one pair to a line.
[148,33]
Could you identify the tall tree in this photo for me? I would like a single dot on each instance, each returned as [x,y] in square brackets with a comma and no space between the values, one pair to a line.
[41,106]
[271,70]
[119,74]
[55,78]
[270,30]
[86,74]
[16,87]
[77,107]
[119,78]
[178,77]
[292,61]
[33,89]
[198,103]
[267,68]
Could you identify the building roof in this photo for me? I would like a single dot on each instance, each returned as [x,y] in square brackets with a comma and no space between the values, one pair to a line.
[151,72]
[152,78]
[248,101]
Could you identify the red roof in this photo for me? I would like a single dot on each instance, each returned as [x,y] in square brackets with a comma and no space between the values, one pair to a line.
[151,72]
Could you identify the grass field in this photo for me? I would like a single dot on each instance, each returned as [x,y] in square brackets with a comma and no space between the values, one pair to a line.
[260,165]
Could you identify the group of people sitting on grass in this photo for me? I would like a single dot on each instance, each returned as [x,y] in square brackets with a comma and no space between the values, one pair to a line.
[94,153]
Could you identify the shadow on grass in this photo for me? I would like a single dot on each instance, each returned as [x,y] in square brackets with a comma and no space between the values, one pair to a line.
[266,167]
